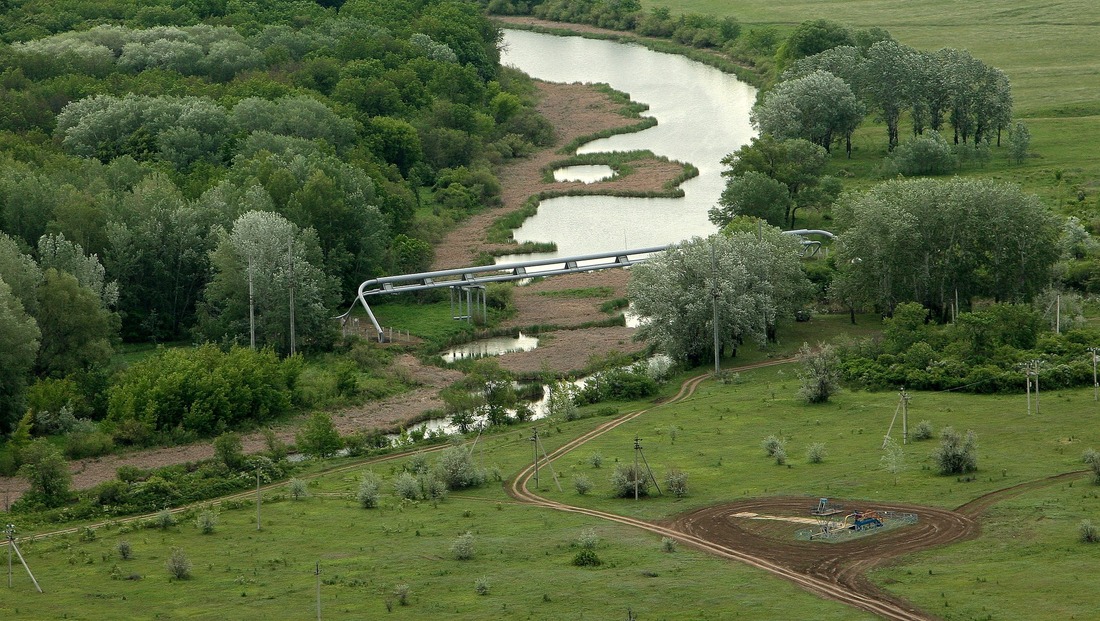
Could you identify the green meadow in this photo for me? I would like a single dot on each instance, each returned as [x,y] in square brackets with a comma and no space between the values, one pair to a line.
[1047,50]
[523,554]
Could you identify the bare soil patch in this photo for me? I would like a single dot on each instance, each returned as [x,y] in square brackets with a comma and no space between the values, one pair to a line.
[844,563]
[536,304]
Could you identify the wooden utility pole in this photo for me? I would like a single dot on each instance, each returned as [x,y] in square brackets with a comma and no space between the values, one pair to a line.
[535,443]
[258,498]
[290,255]
[251,306]
[904,417]
[1095,386]
[317,573]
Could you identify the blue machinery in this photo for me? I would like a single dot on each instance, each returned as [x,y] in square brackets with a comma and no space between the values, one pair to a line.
[467,284]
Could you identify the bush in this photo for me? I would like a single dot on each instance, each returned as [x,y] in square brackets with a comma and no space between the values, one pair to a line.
[47,472]
[676,482]
[780,456]
[771,444]
[401,592]
[456,469]
[596,460]
[363,442]
[582,484]
[276,448]
[481,586]
[368,491]
[923,431]
[628,480]
[93,443]
[1092,458]
[815,454]
[820,373]
[668,544]
[928,154]
[206,521]
[179,566]
[955,454]
[201,389]
[228,450]
[432,487]
[318,437]
[164,519]
[131,474]
[125,552]
[297,489]
[1088,532]
[406,486]
[586,558]
[587,540]
[462,549]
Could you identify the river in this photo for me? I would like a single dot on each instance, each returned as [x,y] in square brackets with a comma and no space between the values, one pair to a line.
[702,115]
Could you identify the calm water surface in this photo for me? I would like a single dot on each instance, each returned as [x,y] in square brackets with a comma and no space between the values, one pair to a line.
[702,114]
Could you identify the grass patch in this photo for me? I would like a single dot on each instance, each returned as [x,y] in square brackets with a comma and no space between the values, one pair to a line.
[580,294]
[714,438]
[1009,570]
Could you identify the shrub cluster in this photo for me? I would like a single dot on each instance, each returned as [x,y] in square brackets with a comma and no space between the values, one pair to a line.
[956,454]
[628,480]
[981,353]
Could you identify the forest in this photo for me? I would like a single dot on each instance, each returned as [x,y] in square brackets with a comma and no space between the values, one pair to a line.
[166,168]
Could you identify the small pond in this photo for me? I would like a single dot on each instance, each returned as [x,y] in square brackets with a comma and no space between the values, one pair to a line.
[585,173]
[493,346]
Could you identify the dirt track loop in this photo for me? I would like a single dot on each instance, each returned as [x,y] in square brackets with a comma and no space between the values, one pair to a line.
[834,571]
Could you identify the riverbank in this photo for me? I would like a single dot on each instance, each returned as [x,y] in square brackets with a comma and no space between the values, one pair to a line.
[575,111]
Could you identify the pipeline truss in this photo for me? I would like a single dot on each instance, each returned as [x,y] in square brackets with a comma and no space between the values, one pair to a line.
[467,284]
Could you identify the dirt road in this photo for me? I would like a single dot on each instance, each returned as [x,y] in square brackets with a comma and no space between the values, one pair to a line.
[836,571]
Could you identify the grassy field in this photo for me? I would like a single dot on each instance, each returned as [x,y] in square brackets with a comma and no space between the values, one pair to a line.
[1026,565]
[1046,49]
[524,554]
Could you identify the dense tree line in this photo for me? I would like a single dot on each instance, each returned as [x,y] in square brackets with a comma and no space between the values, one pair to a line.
[937,242]
[701,31]
[159,160]
[948,86]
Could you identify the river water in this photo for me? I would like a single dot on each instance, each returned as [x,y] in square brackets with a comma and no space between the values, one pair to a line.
[702,115]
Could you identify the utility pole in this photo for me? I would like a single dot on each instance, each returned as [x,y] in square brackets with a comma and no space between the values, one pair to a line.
[714,302]
[1058,314]
[1095,386]
[290,255]
[535,443]
[9,534]
[251,305]
[1036,363]
[904,416]
[637,471]
[1027,377]
[317,572]
[258,497]
[1031,369]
